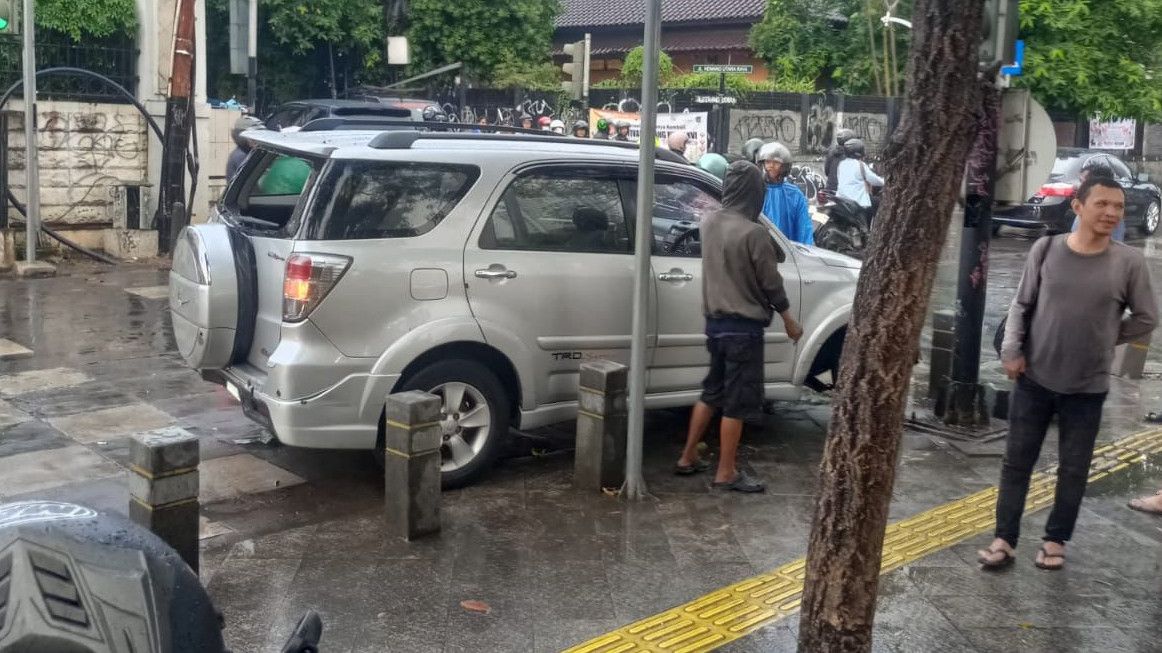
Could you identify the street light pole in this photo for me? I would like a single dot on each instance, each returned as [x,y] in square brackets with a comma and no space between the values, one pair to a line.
[31,158]
[635,485]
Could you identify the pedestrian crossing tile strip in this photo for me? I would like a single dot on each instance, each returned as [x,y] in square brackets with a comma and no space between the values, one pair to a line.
[733,612]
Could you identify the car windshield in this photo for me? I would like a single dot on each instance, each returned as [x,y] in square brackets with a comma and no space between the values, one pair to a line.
[1068,167]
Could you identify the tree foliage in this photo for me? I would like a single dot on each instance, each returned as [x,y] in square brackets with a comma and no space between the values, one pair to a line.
[1095,57]
[513,73]
[1085,57]
[634,66]
[345,25]
[487,36]
[810,44]
[88,18]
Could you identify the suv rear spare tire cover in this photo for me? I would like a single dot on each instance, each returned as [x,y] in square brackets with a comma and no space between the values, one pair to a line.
[204,322]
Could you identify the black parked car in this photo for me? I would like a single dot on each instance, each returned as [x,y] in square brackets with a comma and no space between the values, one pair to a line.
[300,113]
[1049,207]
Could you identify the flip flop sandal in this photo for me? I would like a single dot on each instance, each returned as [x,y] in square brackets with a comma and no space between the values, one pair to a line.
[1040,564]
[1137,504]
[986,562]
[1153,418]
[689,470]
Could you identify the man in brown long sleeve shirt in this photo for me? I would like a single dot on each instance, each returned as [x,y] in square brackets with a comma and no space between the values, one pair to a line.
[1063,325]
[742,291]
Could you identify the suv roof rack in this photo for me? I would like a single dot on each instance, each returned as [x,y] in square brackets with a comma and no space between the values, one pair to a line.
[405,139]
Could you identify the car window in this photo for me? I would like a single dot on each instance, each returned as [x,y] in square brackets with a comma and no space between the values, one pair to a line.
[1067,167]
[285,118]
[1120,169]
[284,175]
[374,199]
[552,213]
[678,208]
[269,188]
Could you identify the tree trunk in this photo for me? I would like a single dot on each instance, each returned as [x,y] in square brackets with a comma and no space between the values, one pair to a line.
[925,164]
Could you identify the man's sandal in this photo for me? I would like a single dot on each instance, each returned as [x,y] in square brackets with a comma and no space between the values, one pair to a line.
[1044,555]
[985,558]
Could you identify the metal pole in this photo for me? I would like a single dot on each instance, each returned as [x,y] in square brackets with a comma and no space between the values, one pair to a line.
[252,57]
[965,403]
[635,484]
[31,162]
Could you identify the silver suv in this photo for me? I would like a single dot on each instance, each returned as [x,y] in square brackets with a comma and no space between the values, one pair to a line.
[340,267]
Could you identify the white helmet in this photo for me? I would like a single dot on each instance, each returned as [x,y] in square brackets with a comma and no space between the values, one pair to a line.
[557,127]
[775,151]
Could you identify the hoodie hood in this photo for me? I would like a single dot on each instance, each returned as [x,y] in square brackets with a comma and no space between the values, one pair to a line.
[743,190]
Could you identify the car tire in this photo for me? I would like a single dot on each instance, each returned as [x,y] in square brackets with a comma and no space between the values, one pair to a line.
[479,388]
[1151,218]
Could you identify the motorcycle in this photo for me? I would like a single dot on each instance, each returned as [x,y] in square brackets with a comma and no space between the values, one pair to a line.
[73,579]
[847,229]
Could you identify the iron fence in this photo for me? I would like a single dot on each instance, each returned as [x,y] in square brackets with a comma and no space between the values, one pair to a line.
[114,58]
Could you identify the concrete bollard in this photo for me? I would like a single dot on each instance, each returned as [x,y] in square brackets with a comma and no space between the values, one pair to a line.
[940,357]
[602,422]
[163,489]
[412,464]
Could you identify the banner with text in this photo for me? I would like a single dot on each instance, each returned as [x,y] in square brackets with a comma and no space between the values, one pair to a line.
[1112,135]
[692,123]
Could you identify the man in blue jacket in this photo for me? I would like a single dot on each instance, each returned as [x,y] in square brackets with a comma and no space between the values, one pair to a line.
[785,205]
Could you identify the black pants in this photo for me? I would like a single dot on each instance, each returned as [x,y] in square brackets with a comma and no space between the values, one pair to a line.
[1030,410]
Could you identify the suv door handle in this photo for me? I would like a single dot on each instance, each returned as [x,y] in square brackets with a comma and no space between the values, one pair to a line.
[496,272]
[675,275]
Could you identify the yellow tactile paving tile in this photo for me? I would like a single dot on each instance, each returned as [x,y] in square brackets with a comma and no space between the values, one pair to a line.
[723,616]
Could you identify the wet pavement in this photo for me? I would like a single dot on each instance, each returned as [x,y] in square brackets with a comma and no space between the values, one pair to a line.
[286,529]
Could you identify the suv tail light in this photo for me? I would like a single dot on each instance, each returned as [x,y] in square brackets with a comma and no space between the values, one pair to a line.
[1057,189]
[308,279]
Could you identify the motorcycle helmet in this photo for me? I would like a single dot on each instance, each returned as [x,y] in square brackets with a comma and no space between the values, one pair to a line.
[242,124]
[557,127]
[854,148]
[603,125]
[713,163]
[676,141]
[582,126]
[844,135]
[750,149]
[621,124]
[776,151]
[526,121]
[543,122]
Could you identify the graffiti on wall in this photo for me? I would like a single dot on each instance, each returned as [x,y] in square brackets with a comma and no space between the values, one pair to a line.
[765,124]
[88,154]
[871,128]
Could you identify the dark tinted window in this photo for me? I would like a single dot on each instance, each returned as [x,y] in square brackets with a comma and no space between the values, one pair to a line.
[370,199]
[559,214]
[678,208]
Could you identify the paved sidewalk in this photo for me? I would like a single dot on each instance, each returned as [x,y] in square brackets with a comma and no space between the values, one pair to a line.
[288,529]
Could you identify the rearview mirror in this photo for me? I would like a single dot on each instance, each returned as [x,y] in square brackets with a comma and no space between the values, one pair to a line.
[1143,177]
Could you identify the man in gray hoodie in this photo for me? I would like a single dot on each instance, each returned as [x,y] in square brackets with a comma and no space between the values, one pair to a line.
[742,291]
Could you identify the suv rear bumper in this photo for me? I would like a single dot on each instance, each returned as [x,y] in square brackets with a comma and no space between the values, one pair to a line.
[344,416]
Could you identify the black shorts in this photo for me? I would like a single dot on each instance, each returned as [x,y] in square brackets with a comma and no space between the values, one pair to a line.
[735,381]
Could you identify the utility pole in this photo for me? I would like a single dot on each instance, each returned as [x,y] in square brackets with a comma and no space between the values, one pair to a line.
[965,399]
[172,214]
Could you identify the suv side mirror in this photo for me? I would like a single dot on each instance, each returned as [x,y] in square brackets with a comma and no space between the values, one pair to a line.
[1143,177]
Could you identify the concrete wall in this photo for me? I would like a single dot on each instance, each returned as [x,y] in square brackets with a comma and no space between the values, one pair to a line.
[217,151]
[89,153]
